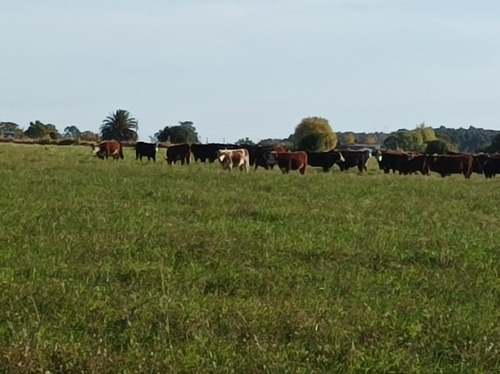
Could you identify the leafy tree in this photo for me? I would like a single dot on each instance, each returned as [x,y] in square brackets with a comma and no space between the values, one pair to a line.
[89,136]
[72,132]
[370,139]
[188,124]
[427,133]
[314,134]
[349,138]
[38,129]
[467,140]
[436,147]
[405,140]
[119,126]
[245,141]
[494,147]
[184,133]
[315,142]
[10,128]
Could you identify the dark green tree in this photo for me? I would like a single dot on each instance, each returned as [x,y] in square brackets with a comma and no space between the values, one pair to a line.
[405,140]
[119,126]
[437,146]
[183,133]
[494,147]
[38,129]
[245,141]
[467,140]
[89,136]
[10,129]
[72,132]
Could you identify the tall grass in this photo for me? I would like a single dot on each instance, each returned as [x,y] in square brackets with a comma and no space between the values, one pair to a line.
[134,267]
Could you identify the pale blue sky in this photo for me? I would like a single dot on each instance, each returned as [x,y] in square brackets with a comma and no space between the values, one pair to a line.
[251,67]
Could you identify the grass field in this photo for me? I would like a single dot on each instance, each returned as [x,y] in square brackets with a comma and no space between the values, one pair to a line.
[129,267]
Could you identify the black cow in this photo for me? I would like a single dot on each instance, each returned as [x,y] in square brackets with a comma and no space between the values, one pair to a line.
[264,157]
[148,150]
[478,162]
[325,160]
[178,152]
[451,164]
[491,166]
[416,163]
[355,159]
[391,160]
[204,152]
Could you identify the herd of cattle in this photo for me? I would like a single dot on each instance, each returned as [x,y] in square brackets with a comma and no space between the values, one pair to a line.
[244,156]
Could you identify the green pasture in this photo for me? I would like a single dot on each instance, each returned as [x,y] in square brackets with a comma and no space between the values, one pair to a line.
[130,267]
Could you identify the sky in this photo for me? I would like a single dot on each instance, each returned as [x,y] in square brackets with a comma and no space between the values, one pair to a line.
[251,68]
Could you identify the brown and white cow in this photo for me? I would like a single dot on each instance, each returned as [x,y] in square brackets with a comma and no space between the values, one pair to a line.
[292,161]
[234,158]
[108,148]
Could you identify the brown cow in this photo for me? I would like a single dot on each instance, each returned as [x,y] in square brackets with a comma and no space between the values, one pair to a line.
[292,161]
[108,148]
[417,163]
[178,152]
[237,158]
[451,164]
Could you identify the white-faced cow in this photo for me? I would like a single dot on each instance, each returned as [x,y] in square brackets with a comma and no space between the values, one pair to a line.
[324,160]
[234,158]
[108,148]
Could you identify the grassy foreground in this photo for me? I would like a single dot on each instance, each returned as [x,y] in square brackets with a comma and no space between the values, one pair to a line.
[123,267]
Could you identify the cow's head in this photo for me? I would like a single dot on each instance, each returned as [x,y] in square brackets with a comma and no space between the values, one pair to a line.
[341,159]
[222,154]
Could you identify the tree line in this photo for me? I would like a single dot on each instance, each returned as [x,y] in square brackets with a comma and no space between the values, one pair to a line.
[311,134]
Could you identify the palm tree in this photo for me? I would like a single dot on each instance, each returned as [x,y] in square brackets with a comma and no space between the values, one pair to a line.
[119,126]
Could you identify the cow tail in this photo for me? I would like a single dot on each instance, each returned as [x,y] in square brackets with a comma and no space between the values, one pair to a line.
[121,150]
